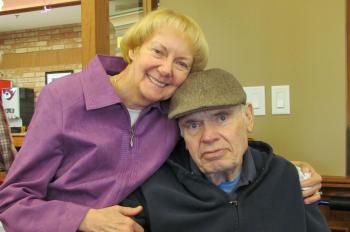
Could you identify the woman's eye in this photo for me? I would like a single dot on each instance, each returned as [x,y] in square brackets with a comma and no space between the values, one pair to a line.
[156,51]
[182,65]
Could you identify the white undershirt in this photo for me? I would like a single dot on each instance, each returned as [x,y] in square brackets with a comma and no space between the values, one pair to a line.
[134,114]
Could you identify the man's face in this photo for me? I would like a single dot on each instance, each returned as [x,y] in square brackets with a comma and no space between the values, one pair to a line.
[218,138]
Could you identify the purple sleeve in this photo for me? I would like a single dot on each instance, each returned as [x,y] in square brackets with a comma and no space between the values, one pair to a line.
[22,196]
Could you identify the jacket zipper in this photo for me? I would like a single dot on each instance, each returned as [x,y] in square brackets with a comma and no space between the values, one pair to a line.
[132,135]
[235,203]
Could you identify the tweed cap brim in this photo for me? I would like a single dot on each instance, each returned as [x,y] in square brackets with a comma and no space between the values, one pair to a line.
[206,89]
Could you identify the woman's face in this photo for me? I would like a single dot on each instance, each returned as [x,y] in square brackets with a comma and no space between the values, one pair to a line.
[161,64]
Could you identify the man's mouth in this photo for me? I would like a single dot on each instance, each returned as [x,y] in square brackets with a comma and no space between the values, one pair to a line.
[213,154]
[157,82]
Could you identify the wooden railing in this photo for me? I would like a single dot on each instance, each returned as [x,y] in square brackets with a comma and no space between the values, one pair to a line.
[336,187]
[2,177]
[18,139]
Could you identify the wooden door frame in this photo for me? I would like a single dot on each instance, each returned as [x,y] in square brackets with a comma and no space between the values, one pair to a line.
[95,26]
[348,87]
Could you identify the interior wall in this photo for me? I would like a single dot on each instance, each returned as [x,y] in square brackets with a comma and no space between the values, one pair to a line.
[28,54]
[298,43]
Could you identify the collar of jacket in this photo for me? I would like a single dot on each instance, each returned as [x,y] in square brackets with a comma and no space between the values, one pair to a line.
[179,160]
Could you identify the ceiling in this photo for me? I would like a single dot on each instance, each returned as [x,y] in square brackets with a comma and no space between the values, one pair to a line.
[35,19]
[56,16]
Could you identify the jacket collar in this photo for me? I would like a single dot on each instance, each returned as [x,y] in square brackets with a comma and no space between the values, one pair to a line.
[248,171]
[98,91]
[254,163]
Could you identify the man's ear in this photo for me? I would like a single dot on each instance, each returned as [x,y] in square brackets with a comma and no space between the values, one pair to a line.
[181,133]
[180,129]
[249,115]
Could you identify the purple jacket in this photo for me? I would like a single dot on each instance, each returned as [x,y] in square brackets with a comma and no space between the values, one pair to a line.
[80,152]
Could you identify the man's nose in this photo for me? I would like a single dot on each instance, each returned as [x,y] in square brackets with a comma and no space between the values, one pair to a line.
[209,133]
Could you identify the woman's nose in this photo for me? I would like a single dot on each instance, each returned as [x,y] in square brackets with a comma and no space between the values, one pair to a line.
[165,68]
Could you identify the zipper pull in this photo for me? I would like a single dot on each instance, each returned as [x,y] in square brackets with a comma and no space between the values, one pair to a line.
[132,135]
[235,203]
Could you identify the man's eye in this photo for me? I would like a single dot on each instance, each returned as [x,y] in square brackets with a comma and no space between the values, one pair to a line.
[222,117]
[193,125]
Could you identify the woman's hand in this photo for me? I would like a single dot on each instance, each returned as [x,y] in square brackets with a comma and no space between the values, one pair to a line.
[311,186]
[111,219]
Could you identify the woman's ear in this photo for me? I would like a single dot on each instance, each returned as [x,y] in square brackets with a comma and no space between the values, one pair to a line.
[249,114]
[131,54]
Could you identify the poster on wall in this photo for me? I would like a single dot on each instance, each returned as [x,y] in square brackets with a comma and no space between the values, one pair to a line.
[51,76]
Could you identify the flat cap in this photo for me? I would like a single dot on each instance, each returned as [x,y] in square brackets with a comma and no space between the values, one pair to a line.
[210,88]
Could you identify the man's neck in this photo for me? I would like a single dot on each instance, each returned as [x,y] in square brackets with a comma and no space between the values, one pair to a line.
[218,178]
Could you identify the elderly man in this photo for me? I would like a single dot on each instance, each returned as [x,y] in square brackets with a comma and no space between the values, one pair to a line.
[221,182]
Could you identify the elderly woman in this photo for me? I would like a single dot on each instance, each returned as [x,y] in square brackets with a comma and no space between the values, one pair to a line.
[98,134]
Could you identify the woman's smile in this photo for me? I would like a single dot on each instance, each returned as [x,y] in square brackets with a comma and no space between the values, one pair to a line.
[156,82]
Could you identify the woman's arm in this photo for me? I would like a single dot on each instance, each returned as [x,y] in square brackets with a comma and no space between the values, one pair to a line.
[23,195]
[111,219]
[310,186]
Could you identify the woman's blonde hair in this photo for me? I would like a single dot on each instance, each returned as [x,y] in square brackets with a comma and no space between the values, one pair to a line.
[142,30]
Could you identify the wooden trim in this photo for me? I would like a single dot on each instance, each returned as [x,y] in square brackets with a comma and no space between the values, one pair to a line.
[335,186]
[347,153]
[95,28]
[41,58]
[335,180]
[2,177]
[17,139]
[21,9]
[149,5]
[348,86]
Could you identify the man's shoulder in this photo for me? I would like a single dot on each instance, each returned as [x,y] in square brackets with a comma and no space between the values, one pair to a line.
[175,168]
[165,174]
[265,158]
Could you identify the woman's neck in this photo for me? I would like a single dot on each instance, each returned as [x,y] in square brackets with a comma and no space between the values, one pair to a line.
[127,90]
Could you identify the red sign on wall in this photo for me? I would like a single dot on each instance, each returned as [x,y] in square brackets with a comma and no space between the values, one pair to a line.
[4,84]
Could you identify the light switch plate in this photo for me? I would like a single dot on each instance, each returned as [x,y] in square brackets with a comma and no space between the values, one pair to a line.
[280,99]
[256,96]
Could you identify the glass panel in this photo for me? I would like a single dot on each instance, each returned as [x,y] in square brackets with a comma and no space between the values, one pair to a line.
[122,14]
[122,7]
